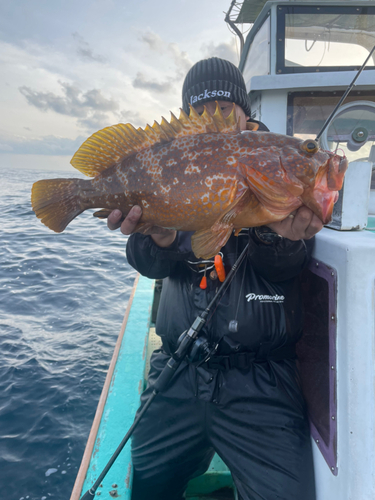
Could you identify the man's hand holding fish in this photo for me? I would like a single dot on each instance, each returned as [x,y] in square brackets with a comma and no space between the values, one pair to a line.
[162,237]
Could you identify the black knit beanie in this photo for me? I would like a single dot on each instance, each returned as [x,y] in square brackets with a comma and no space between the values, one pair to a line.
[214,79]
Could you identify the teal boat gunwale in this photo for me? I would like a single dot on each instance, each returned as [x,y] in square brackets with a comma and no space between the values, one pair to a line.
[86,459]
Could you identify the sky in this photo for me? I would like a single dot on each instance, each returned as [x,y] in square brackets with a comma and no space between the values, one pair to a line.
[71,67]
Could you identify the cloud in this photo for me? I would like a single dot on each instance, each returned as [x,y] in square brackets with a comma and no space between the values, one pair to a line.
[165,55]
[181,58]
[133,117]
[141,82]
[153,40]
[84,50]
[90,107]
[157,44]
[95,122]
[224,50]
[48,145]
[73,103]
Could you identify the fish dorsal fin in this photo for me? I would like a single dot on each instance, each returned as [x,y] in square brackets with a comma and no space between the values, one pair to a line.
[113,144]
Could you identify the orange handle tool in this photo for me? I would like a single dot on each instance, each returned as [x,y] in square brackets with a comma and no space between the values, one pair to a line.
[203,283]
[219,266]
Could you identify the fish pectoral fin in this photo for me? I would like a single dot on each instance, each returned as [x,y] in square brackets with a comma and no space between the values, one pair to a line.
[241,198]
[275,194]
[208,242]
[103,213]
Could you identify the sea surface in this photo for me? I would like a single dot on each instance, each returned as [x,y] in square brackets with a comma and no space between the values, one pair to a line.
[62,301]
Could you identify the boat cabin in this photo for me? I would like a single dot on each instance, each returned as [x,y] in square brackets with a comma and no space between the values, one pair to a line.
[298,60]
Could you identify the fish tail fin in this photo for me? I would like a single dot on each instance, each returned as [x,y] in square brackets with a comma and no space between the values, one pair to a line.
[56,202]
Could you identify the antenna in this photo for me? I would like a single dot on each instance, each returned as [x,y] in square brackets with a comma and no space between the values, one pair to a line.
[233,26]
[329,119]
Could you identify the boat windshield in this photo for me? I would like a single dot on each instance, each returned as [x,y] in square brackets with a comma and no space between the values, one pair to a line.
[352,130]
[324,38]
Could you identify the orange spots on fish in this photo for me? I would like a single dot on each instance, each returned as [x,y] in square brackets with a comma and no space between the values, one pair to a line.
[192,169]
[205,198]
[207,151]
[231,160]
[155,172]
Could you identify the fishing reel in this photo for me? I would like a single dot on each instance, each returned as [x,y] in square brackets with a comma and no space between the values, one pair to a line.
[200,350]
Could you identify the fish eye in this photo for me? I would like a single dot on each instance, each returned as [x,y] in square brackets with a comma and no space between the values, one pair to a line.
[310,146]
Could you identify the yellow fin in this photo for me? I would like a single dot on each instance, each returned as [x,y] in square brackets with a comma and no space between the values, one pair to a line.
[208,121]
[56,202]
[197,124]
[167,129]
[176,124]
[208,242]
[113,144]
[103,149]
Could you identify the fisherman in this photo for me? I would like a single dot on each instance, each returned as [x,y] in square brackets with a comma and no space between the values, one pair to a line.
[245,403]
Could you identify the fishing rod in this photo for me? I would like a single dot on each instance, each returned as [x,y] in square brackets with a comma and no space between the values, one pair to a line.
[329,119]
[186,342]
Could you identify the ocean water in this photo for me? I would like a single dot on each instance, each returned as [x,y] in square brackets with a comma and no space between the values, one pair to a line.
[62,301]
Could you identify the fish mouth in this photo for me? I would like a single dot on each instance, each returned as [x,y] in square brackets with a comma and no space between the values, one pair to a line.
[328,183]
[321,203]
[337,166]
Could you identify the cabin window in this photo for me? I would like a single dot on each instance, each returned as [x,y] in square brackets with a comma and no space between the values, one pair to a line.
[352,130]
[324,38]
[258,58]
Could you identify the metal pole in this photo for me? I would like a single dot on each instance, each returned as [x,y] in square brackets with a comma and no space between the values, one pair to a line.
[234,27]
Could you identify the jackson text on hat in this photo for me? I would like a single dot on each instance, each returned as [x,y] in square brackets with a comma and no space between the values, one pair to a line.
[212,79]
